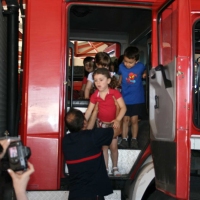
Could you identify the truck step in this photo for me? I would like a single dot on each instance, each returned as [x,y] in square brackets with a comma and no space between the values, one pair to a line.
[126,160]
[63,195]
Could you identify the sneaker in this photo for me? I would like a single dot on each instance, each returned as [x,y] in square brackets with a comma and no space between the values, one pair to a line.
[134,144]
[123,144]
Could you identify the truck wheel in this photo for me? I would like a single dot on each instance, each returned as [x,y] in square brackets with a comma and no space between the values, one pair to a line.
[142,182]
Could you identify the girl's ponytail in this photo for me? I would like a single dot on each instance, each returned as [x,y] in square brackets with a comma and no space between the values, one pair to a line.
[113,83]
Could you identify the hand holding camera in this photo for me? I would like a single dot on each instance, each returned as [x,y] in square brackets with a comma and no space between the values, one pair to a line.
[15,157]
[18,156]
[20,181]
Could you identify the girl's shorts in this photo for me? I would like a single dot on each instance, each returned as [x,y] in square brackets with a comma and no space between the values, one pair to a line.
[136,109]
[101,124]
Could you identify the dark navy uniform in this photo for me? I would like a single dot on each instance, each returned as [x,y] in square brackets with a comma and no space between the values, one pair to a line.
[85,161]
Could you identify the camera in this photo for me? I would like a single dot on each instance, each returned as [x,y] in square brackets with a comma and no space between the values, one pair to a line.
[16,157]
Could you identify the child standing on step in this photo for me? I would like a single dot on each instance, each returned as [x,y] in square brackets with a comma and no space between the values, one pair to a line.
[131,72]
[107,117]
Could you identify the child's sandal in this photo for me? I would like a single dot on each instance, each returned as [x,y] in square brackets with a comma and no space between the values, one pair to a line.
[107,171]
[115,171]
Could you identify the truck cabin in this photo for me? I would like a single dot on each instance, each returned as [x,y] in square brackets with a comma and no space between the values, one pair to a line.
[111,32]
[124,26]
[110,29]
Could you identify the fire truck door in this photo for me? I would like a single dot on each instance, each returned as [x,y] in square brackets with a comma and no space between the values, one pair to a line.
[169,91]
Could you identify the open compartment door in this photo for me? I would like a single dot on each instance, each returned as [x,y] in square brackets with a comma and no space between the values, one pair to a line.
[169,97]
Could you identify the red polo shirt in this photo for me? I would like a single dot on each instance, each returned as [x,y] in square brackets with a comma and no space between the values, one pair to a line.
[107,108]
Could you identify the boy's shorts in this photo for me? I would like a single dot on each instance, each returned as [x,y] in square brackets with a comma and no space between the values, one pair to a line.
[136,109]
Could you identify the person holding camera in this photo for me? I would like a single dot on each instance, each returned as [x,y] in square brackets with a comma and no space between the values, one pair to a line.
[20,179]
[82,149]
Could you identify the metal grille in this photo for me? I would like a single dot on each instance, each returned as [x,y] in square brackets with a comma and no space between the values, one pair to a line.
[3,71]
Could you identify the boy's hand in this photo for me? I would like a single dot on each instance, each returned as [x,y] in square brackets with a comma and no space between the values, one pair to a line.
[144,75]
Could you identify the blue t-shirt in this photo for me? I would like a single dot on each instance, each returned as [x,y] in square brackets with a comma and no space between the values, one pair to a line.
[132,87]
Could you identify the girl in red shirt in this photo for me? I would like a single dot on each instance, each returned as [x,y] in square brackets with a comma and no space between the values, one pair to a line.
[107,114]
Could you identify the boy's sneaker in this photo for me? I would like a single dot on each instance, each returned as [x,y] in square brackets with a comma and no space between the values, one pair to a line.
[123,144]
[134,144]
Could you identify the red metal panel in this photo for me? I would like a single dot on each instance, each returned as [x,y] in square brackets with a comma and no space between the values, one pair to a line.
[45,159]
[43,101]
[182,133]
[195,5]
[154,39]
[182,97]
[129,1]
[44,47]
[183,103]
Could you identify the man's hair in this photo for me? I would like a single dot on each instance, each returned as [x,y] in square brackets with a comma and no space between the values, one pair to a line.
[132,53]
[74,120]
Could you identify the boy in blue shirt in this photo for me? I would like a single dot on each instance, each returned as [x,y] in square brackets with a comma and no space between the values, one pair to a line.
[131,72]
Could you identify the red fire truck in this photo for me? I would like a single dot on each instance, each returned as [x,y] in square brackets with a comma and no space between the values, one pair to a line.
[167,32]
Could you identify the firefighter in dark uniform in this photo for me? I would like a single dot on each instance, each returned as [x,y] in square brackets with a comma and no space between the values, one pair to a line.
[83,154]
